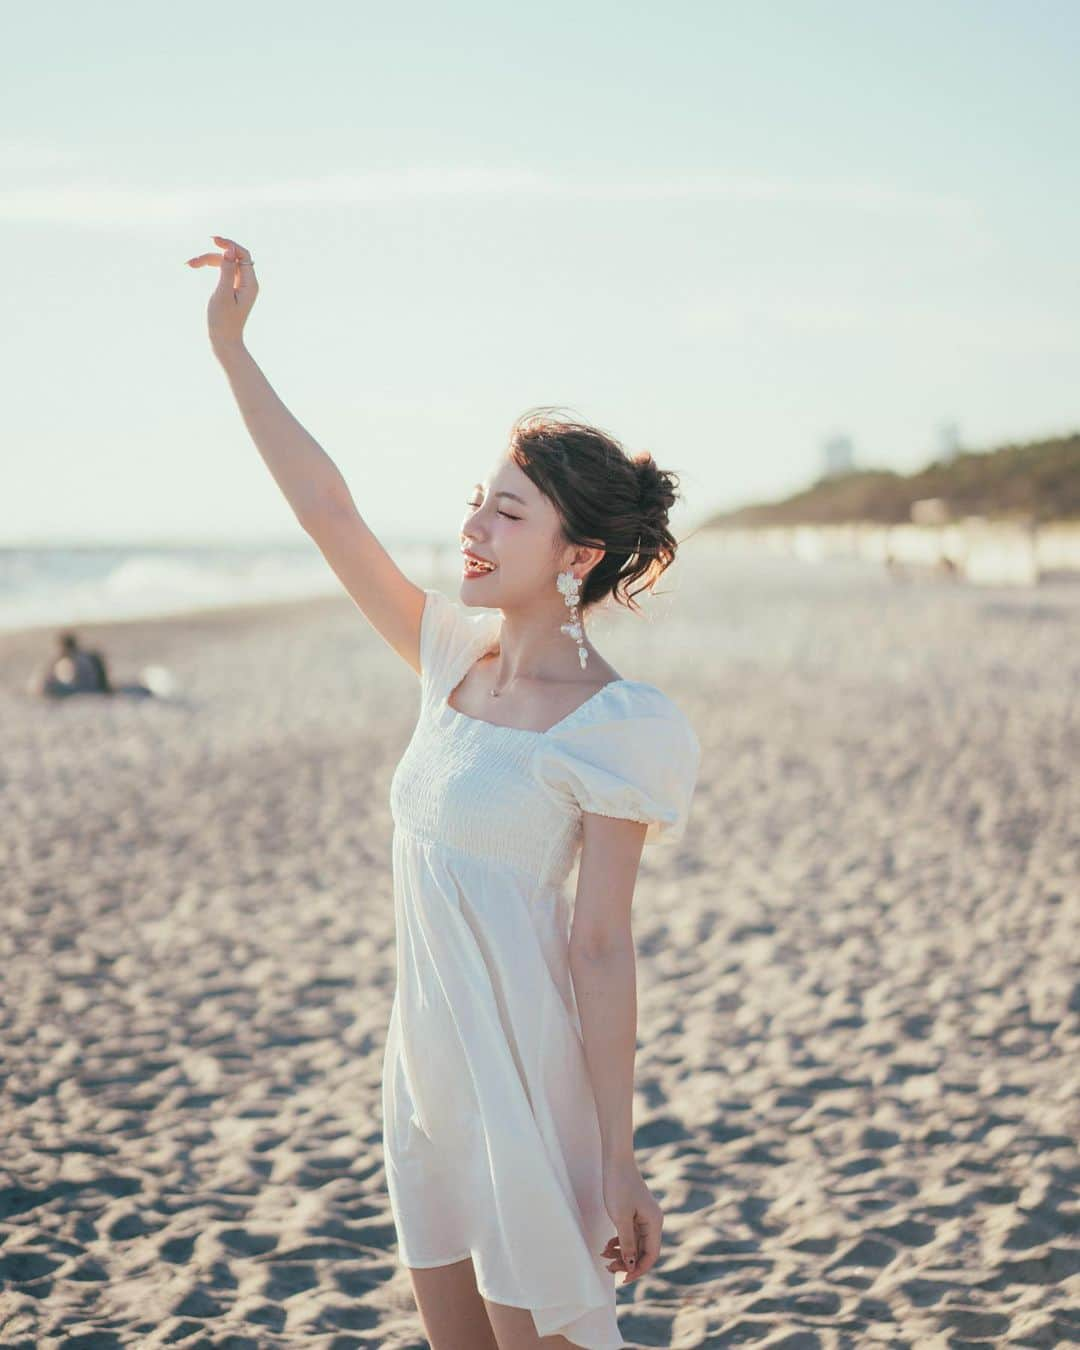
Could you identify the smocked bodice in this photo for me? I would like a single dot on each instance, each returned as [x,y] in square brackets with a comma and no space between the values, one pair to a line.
[469,786]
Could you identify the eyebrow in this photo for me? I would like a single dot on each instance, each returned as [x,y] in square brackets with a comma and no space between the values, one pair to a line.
[504,494]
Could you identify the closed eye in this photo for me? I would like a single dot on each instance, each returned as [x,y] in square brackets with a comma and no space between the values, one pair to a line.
[507,514]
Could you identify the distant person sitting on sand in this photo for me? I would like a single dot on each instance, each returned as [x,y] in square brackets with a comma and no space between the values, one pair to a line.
[74,670]
[79,670]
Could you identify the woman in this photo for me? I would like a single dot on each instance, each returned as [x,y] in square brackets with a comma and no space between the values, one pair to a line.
[508,1067]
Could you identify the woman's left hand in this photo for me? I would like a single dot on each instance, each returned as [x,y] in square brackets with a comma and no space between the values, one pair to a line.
[637,1217]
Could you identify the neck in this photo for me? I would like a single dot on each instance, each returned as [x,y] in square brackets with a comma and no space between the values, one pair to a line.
[531,647]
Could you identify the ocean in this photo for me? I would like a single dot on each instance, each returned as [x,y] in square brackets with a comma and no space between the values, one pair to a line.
[59,585]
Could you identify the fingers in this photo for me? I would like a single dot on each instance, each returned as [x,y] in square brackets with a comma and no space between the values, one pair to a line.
[227,280]
[628,1248]
[612,1250]
[239,251]
[634,1256]
[648,1246]
[236,280]
[229,261]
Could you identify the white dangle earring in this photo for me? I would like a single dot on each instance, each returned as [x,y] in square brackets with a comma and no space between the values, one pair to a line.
[570,589]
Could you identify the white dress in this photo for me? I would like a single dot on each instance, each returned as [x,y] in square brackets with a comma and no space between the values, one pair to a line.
[490,1131]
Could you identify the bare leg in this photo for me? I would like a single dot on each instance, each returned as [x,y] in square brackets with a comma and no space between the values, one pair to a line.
[516,1330]
[451,1307]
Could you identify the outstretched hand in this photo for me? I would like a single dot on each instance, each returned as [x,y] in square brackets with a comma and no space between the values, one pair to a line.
[233,296]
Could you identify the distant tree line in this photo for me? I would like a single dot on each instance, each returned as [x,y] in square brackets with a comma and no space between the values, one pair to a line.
[1038,481]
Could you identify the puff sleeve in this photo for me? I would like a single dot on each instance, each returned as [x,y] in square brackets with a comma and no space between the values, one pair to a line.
[449,633]
[639,761]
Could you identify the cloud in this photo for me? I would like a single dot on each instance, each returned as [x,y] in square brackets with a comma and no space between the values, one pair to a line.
[104,204]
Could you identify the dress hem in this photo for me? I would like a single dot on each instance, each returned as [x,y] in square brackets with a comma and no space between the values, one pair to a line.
[493,1298]
[440,1261]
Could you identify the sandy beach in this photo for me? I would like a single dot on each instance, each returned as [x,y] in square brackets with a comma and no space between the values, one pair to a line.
[859,1022]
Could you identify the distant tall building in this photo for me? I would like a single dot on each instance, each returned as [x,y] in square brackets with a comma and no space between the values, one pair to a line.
[948,440]
[838,456]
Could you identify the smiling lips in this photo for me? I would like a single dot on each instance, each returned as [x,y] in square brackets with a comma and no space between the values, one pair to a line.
[476,566]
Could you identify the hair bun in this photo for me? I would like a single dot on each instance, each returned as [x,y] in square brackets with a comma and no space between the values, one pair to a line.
[656,488]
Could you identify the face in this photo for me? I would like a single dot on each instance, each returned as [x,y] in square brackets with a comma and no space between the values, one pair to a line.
[510,522]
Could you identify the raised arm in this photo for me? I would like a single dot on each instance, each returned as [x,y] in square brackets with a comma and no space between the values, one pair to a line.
[310,480]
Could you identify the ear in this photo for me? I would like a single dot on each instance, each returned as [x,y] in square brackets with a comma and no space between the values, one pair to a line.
[588,557]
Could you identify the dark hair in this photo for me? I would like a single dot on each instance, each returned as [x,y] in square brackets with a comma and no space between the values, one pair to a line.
[605,499]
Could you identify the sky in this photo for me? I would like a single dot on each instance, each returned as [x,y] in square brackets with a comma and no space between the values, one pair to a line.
[723,232]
